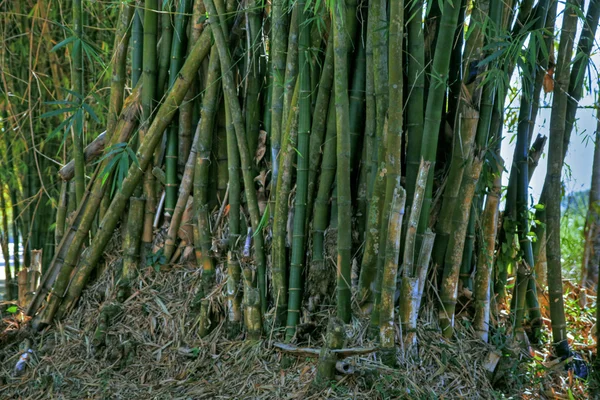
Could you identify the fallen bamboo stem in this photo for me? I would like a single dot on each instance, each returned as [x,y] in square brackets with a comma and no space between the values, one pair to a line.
[90,153]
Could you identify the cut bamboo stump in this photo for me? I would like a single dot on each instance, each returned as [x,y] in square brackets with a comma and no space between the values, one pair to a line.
[29,279]
[334,340]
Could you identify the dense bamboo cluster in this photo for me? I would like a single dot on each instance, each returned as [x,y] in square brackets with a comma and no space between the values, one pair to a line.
[292,147]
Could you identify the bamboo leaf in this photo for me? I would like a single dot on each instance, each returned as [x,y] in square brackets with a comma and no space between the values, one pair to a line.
[64,43]
[91,112]
[60,111]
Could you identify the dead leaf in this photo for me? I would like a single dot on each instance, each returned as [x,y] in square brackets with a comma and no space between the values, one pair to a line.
[549,80]
[261,147]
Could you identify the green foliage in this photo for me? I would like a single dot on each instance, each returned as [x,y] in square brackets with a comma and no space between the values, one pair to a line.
[156,260]
[122,156]
[572,234]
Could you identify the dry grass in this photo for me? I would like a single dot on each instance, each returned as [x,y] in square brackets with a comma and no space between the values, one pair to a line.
[170,361]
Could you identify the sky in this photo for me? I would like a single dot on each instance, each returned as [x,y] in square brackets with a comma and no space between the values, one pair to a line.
[578,163]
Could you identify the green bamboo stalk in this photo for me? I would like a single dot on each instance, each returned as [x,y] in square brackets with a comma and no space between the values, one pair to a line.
[356,94]
[235,275]
[119,65]
[182,197]
[78,84]
[177,53]
[137,40]
[245,157]
[13,181]
[415,102]
[280,216]
[410,278]
[377,19]
[291,65]
[449,286]
[148,103]
[304,123]
[164,56]
[131,246]
[462,144]
[320,119]
[10,277]
[580,66]
[387,331]
[435,99]
[163,117]
[279,34]
[393,142]
[525,283]
[485,259]
[61,213]
[344,228]
[368,281]
[553,177]
[201,197]
[319,284]
[255,50]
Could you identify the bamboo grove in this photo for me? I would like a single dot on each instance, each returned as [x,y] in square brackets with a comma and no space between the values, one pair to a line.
[309,156]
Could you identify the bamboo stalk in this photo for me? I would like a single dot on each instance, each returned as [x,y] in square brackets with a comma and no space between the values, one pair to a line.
[78,84]
[553,178]
[410,276]
[291,64]
[415,102]
[318,276]
[202,168]
[177,53]
[278,63]
[131,246]
[462,144]
[280,216]
[435,98]
[61,215]
[449,288]
[344,228]
[393,141]
[235,275]
[164,55]
[149,92]
[8,273]
[485,259]
[387,331]
[182,198]
[90,153]
[137,40]
[119,65]
[298,256]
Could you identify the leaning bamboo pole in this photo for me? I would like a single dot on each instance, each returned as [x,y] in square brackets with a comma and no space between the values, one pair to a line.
[163,117]
[68,251]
